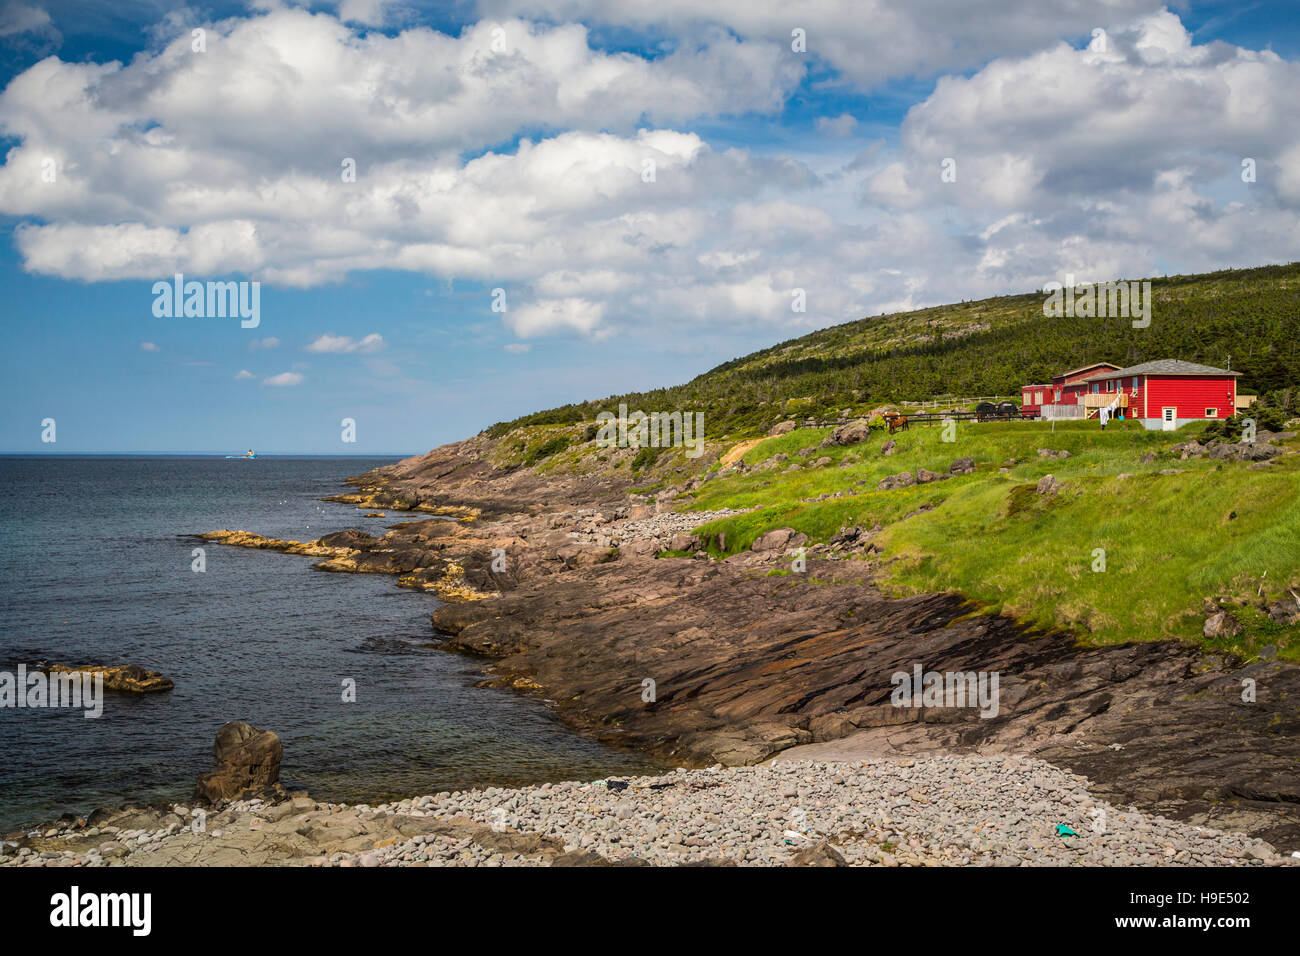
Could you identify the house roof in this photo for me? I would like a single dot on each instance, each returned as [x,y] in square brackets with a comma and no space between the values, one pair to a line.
[1084,368]
[1163,367]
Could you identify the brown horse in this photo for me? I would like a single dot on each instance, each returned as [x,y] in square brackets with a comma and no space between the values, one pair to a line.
[895,421]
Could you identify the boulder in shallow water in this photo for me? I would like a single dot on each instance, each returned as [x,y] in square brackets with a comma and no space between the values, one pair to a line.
[123,678]
[248,761]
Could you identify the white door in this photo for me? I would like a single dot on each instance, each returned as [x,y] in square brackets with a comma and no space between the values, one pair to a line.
[1169,422]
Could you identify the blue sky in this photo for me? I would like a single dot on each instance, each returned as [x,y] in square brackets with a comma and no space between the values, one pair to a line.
[520,168]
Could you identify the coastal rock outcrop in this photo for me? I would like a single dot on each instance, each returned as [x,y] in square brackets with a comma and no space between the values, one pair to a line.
[248,761]
[778,539]
[123,678]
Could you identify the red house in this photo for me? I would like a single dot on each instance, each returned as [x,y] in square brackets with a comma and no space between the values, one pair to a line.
[1060,399]
[1170,393]
[1163,394]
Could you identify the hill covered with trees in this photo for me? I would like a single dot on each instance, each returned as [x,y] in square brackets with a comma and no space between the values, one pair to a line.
[1248,317]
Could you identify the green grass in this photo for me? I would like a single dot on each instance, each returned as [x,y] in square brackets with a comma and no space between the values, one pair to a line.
[1216,529]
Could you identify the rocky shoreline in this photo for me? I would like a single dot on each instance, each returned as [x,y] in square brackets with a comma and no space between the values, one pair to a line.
[937,811]
[554,579]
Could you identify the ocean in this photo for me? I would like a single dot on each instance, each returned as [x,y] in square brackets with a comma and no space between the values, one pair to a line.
[96,568]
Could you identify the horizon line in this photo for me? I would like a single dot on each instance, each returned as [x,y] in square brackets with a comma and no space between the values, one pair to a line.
[198,454]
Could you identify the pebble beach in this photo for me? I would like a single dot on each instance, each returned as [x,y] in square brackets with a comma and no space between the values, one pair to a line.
[936,811]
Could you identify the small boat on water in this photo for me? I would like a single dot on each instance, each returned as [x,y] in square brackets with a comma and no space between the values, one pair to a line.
[245,456]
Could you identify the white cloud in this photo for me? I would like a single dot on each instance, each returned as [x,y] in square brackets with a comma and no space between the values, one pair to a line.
[270,342]
[1105,163]
[837,127]
[19,18]
[243,375]
[612,215]
[517,348]
[867,43]
[284,378]
[368,12]
[149,347]
[341,344]
[555,315]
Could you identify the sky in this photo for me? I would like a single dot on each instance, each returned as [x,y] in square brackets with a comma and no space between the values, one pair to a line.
[458,213]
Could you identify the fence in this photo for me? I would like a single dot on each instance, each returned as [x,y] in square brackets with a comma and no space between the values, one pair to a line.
[1062,412]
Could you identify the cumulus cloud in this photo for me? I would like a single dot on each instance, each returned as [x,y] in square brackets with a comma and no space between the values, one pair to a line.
[343,344]
[552,315]
[149,347]
[865,43]
[610,213]
[1107,160]
[283,379]
[243,375]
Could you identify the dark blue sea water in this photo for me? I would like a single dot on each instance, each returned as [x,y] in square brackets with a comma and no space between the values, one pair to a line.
[95,570]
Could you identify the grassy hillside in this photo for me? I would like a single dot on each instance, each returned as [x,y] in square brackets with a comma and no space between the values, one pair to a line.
[1211,531]
[1216,530]
[989,347]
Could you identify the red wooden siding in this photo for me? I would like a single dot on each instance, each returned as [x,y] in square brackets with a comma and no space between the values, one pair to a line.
[1191,395]
[1033,397]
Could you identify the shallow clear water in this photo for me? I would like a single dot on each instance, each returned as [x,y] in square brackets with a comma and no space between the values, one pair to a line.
[95,570]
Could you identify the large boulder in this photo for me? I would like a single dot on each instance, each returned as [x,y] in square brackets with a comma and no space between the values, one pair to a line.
[1048,485]
[778,539]
[1285,612]
[1244,451]
[924,476]
[1258,451]
[780,428]
[1188,449]
[962,466]
[640,547]
[1221,624]
[248,761]
[900,480]
[850,433]
[684,542]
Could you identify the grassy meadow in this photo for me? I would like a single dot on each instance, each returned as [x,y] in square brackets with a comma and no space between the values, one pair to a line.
[1213,530]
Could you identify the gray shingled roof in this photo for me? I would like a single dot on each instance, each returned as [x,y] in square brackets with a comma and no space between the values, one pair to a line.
[1162,367]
